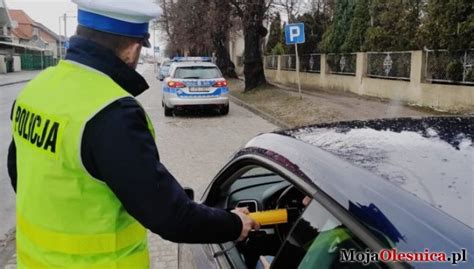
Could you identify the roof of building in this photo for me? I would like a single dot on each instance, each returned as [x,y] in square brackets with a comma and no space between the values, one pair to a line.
[47,34]
[25,26]
[24,29]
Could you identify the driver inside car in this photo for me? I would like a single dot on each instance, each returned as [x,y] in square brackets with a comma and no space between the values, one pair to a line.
[315,241]
[264,262]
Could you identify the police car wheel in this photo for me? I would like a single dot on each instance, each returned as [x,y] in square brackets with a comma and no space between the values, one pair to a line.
[224,110]
[168,111]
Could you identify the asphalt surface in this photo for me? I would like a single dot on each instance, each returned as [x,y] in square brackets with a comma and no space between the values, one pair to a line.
[7,196]
[194,146]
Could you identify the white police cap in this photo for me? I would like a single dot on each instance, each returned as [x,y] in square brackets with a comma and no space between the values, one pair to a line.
[121,17]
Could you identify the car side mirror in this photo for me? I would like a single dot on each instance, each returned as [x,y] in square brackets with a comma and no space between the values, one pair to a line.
[189,192]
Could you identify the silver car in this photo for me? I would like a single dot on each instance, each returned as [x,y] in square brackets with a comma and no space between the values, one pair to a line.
[195,84]
[164,69]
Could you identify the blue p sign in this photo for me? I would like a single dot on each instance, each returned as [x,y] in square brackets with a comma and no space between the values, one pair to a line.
[294,33]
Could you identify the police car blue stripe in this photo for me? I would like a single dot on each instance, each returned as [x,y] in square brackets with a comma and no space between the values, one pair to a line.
[110,25]
[179,93]
[169,90]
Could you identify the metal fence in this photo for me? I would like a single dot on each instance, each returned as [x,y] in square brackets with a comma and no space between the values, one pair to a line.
[288,62]
[271,62]
[310,63]
[32,61]
[342,64]
[443,66]
[389,65]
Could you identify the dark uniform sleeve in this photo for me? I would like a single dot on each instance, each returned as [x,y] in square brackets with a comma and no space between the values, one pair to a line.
[11,163]
[118,149]
[11,159]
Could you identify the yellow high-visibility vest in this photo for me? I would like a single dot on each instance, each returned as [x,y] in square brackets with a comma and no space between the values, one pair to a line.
[65,217]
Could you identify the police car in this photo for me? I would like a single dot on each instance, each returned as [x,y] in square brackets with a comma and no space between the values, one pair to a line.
[194,82]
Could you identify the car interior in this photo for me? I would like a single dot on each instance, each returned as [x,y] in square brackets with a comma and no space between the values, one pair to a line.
[309,239]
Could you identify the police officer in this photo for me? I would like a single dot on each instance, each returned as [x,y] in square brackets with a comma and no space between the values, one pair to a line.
[84,162]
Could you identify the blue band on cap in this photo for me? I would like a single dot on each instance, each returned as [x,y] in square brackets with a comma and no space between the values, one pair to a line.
[110,25]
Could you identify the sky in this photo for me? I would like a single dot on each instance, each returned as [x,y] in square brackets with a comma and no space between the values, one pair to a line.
[48,12]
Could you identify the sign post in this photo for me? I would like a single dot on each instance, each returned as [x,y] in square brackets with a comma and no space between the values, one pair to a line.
[294,34]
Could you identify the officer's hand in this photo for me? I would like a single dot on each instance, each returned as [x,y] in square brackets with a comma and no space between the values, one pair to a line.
[248,224]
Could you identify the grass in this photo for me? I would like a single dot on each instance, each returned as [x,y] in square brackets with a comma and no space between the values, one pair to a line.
[283,105]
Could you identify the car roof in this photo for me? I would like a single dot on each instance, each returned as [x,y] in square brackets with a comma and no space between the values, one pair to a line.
[410,222]
[191,64]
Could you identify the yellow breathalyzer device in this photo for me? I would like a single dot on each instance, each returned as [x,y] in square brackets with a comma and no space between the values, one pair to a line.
[272,217]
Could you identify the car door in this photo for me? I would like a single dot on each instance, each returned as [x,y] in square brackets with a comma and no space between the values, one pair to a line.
[247,185]
[327,225]
[253,183]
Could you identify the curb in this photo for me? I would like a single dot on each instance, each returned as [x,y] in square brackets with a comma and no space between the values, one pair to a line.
[259,112]
[16,82]
[285,88]
[8,250]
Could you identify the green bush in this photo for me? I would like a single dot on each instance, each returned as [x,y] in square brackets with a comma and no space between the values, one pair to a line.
[454,70]
[278,49]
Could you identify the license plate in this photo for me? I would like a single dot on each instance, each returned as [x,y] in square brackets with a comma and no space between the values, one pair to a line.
[198,89]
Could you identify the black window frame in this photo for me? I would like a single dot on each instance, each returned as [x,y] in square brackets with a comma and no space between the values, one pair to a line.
[233,170]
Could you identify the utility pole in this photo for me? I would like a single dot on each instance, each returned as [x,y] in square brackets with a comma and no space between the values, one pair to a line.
[60,40]
[65,25]
[63,17]
[154,46]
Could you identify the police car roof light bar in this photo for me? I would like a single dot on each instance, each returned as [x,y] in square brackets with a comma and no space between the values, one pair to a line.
[192,59]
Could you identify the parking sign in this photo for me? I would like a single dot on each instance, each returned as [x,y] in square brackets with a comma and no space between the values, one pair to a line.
[294,33]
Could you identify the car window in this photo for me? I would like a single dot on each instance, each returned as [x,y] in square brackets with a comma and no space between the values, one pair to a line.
[256,172]
[316,241]
[197,72]
[259,189]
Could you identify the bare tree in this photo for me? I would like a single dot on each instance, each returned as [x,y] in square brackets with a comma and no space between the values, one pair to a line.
[166,21]
[291,7]
[220,14]
[199,28]
[186,24]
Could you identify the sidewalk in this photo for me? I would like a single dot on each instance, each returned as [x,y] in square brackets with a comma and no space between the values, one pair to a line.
[17,77]
[283,106]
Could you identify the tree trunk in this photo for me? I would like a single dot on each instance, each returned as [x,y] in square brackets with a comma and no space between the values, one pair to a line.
[223,60]
[253,63]
[221,15]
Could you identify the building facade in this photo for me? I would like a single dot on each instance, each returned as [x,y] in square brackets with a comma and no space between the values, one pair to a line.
[5,22]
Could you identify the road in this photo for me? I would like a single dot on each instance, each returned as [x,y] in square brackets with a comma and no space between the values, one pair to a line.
[7,196]
[192,147]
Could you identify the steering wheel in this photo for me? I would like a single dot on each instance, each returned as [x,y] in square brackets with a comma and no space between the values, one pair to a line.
[289,198]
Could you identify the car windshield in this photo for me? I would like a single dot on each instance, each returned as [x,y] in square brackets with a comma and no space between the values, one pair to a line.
[197,72]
